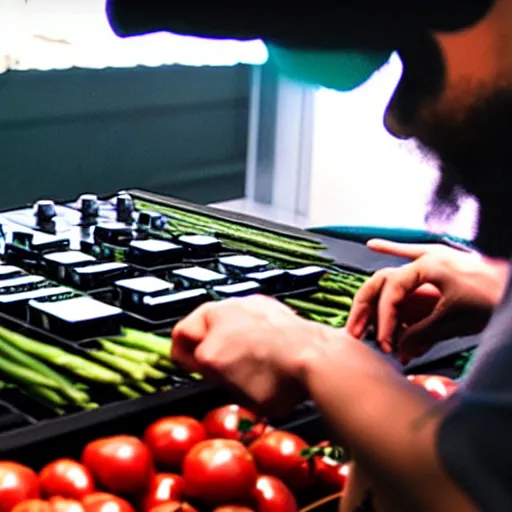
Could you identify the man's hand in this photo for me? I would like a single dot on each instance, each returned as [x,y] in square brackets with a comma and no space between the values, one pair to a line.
[443,293]
[254,345]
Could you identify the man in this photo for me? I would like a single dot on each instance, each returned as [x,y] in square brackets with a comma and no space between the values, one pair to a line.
[455,98]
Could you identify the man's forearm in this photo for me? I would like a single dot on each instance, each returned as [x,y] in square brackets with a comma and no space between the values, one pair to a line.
[388,425]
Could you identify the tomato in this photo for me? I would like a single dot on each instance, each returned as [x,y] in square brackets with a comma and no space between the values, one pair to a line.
[437,385]
[121,464]
[59,504]
[279,453]
[219,471]
[66,478]
[163,488]
[272,495]
[330,475]
[224,422]
[103,502]
[233,508]
[174,506]
[169,439]
[33,506]
[17,483]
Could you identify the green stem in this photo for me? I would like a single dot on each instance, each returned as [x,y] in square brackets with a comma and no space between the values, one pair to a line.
[310,307]
[128,392]
[137,356]
[134,370]
[145,341]
[25,376]
[341,300]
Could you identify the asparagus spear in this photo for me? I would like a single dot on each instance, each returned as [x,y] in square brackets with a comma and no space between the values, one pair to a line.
[134,370]
[25,376]
[144,386]
[333,321]
[144,341]
[58,357]
[338,287]
[128,392]
[131,354]
[309,307]
[341,300]
[20,357]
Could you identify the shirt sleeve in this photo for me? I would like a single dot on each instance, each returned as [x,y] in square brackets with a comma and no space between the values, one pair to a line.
[475,446]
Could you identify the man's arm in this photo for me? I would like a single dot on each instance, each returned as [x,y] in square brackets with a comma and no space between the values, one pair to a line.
[389,426]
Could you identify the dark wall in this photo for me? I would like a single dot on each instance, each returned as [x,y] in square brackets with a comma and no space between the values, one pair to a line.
[175,130]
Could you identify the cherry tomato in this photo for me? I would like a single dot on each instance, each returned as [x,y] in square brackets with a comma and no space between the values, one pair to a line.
[121,464]
[59,504]
[174,506]
[17,483]
[66,478]
[163,488]
[219,471]
[279,453]
[272,495]
[224,422]
[330,475]
[233,508]
[437,385]
[103,502]
[169,439]
[33,506]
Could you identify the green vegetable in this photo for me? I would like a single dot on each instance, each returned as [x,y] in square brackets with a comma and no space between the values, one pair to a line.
[144,386]
[137,356]
[153,373]
[128,392]
[134,370]
[49,395]
[145,341]
[166,364]
[16,355]
[334,321]
[337,287]
[341,300]
[310,307]
[25,376]
[58,357]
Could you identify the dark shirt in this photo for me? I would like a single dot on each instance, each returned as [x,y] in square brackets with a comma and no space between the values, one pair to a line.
[475,439]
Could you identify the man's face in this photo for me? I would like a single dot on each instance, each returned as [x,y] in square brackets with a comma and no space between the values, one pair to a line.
[455,99]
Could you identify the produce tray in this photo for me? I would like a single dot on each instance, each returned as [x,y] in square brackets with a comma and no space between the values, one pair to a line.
[93,267]
[84,270]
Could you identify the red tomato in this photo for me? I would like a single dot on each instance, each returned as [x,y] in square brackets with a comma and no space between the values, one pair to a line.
[219,471]
[163,488]
[103,502]
[279,453]
[174,506]
[233,508]
[437,385]
[59,504]
[121,464]
[224,422]
[169,439]
[66,478]
[32,506]
[272,495]
[330,476]
[17,483]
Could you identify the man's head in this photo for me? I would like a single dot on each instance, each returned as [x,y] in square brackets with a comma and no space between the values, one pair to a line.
[455,95]
[455,98]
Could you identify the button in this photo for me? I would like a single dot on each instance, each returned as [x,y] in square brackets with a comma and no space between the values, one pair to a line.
[151,220]
[45,210]
[89,205]
[113,233]
[124,208]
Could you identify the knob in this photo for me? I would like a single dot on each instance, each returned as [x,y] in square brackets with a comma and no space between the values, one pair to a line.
[89,205]
[124,208]
[45,210]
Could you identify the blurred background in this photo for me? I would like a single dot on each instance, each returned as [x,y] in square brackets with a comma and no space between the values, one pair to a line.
[208,121]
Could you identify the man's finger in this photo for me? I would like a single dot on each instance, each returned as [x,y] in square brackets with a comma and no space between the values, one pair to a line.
[412,251]
[397,287]
[364,304]
[188,333]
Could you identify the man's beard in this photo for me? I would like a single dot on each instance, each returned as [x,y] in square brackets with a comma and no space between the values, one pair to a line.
[475,155]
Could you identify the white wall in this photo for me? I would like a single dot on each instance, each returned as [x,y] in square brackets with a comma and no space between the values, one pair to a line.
[363,176]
